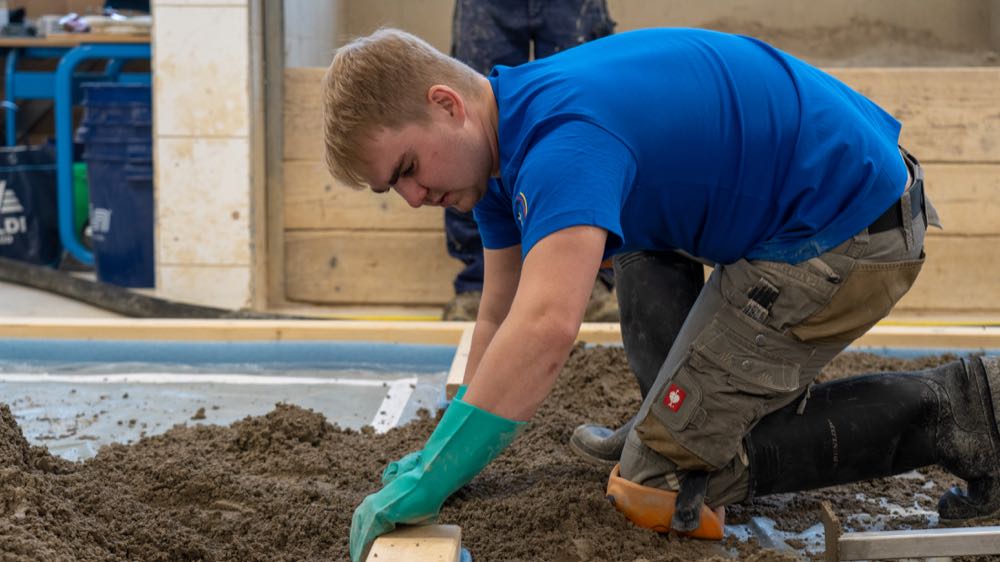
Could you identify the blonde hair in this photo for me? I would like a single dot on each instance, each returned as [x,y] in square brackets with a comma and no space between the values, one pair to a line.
[381,81]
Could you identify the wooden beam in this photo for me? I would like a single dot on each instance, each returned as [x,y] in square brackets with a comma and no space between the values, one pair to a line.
[926,337]
[948,114]
[967,196]
[418,543]
[313,200]
[961,274]
[432,333]
[370,267]
[831,532]
[457,372]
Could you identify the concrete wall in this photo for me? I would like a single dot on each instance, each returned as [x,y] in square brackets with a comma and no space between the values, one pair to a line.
[208,210]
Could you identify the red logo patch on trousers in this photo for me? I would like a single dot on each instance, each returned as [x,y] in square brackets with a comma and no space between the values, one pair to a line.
[674,398]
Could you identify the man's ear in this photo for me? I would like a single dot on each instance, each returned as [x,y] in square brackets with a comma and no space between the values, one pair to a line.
[447,99]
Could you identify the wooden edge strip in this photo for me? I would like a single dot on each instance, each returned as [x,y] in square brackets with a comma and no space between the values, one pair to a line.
[457,372]
[440,333]
[831,532]
[418,543]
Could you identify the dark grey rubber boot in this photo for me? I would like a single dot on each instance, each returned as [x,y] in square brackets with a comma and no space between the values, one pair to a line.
[655,293]
[600,445]
[970,446]
[885,424]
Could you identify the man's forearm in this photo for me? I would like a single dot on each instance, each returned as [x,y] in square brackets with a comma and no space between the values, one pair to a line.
[520,366]
[482,335]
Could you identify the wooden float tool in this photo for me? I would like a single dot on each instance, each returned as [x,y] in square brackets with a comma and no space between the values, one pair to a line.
[420,543]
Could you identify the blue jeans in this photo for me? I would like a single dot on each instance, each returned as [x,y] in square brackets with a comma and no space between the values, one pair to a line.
[488,33]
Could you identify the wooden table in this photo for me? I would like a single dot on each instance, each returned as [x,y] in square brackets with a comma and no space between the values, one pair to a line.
[71,40]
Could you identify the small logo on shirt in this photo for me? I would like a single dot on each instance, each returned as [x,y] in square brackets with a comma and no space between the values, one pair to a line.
[674,398]
[521,207]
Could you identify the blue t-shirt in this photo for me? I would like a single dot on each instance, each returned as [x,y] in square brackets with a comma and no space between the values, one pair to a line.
[715,144]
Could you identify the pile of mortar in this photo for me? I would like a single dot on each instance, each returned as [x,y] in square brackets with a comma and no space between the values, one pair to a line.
[283,486]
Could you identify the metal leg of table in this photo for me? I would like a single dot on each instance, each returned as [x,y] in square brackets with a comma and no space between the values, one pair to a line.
[10,106]
[64,133]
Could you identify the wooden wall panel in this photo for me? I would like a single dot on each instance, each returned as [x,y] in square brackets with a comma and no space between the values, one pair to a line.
[346,247]
[967,196]
[314,200]
[369,267]
[948,114]
[960,275]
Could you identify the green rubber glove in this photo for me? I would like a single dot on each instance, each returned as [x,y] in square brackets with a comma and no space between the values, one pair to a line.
[409,461]
[464,442]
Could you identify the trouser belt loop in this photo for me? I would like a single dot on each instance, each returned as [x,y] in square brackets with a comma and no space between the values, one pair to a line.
[905,205]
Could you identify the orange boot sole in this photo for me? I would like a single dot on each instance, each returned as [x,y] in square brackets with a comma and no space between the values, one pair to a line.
[653,508]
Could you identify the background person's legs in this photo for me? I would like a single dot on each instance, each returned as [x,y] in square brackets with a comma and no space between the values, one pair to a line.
[488,33]
[559,25]
[464,244]
[484,34]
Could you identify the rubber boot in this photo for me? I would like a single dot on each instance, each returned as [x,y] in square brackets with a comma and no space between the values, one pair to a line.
[600,445]
[655,293]
[886,424]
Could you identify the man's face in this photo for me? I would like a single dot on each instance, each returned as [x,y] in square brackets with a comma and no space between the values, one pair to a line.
[445,162]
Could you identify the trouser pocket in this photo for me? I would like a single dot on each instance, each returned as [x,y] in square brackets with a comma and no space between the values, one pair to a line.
[867,295]
[734,372]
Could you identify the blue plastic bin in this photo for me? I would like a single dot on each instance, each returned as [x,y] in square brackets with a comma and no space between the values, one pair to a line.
[118,148]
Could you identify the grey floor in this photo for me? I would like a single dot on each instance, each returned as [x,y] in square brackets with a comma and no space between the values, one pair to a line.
[74,413]
[17,301]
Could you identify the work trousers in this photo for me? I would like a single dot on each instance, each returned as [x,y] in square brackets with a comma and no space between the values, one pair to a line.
[754,341]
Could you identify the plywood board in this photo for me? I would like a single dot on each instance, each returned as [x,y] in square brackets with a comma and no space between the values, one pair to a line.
[315,200]
[962,273]
[369,267]
[948,114]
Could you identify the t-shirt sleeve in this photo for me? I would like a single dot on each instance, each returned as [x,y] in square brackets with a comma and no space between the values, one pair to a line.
[576,174]
[494,219]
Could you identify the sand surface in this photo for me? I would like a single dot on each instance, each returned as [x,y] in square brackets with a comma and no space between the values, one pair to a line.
[283,486]
[864,43]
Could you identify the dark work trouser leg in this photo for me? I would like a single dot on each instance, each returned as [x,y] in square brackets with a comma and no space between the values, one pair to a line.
[655,292]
